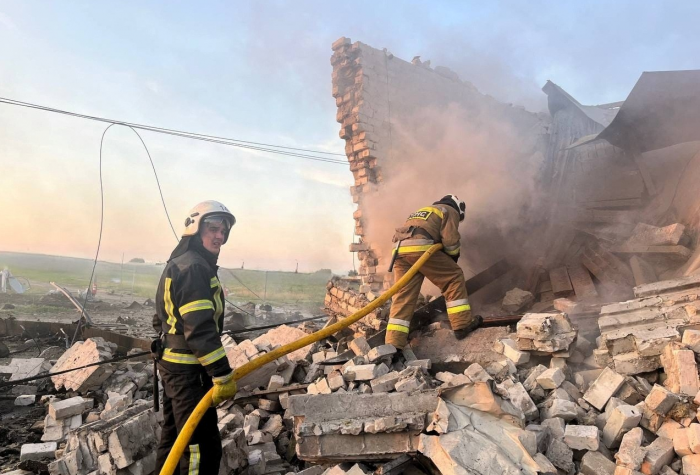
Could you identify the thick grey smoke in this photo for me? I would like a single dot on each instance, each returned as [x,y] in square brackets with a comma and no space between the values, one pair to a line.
[483,159]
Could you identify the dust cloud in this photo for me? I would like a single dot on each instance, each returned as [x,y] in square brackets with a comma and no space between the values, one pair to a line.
[484,160]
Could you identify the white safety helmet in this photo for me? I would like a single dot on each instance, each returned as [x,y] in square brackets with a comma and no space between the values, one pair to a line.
[455,202]
[208,211]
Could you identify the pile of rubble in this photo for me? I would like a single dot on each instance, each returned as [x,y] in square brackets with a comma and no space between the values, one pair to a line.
[345,296]
[544,399]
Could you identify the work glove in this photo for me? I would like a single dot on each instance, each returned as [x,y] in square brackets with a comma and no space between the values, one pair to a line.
[224,388]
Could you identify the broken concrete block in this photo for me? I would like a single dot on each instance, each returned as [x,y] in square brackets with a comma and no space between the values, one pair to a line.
[581,437]
[679,365]
[440,420]
[375,354]
[650,419]
[284,400]
[281,336]
[667,470]
[691,339]
[668,428]
[517,300]
[521,399]
[603,388]
[560,408]
[560,455]
[385,383]
[312,411]
[556,426]
[21,368]
[115,403]
[425,364]
[693,433]
[38,452]
[595,463]
[366,372]
[336,381]
[409,384]
[630,454]
[621,420]
[92,350]
[130,439]
[313,372]
[660,400]
[511,351]
[691,464]
[323,387]
[541,436]
[274,425]
[69,407]
[269,405]
[251,422]
[530,382]
[359,346]
[25,400]
[476,373]
[544,466]
[489,445]
[444,376]
[681,444]
[276,382]
[323,355]
[535,326]
[551,378]
[657,454]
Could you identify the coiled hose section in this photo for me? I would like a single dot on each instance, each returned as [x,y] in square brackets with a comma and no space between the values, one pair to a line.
[185,434]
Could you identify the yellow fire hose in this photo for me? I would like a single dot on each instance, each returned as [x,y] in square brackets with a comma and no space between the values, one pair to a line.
[186,433]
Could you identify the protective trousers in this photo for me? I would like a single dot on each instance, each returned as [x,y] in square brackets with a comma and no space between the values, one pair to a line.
[181,393]
[442,271]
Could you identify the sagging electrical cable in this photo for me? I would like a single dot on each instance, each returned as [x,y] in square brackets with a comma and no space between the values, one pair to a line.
[246,144]
[195,417]
[102,211]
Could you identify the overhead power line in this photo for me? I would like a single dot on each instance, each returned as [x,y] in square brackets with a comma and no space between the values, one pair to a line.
[245,144]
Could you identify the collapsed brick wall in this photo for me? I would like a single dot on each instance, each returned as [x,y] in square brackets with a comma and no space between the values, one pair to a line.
[374,91]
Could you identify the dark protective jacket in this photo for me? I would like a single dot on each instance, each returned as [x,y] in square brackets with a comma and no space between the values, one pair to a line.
[429,225]
[189,303]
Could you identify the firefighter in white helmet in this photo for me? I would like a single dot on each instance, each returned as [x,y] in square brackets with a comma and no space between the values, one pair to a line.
[438,223]
[190,309]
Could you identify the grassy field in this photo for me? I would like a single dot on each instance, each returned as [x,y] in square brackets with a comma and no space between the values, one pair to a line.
[277,288]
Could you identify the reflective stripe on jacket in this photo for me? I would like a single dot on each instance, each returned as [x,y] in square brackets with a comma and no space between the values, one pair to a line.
[189,302]
[439,221]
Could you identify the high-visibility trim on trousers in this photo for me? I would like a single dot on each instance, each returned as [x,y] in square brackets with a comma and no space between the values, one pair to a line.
[456,306]
[458,309]
[180,358]
[194,460]
[398,325]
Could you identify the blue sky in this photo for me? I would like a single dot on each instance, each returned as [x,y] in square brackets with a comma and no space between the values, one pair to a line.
[260,71]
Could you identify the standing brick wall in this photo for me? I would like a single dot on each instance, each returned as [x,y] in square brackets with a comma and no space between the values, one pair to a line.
[374,91]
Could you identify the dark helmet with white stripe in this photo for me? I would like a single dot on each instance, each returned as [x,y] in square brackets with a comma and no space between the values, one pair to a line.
[454,202]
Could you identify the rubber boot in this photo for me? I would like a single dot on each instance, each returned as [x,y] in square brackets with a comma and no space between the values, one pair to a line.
[462,333]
